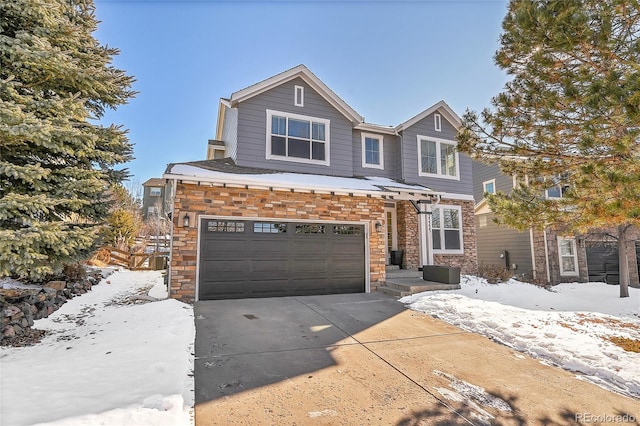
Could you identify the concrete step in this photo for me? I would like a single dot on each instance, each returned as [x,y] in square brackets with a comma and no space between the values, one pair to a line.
[404,273]
[414,286]
[393,291]
[390,268]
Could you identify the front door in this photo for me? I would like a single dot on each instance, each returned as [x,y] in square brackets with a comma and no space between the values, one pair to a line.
[391,232]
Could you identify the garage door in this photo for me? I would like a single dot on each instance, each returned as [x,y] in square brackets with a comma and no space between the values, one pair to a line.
[602,262]
[240,259]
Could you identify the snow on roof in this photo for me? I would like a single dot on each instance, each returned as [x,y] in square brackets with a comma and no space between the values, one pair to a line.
[373,184]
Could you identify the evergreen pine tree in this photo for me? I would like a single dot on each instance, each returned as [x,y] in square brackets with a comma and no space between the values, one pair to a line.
[570,116]
[55,164]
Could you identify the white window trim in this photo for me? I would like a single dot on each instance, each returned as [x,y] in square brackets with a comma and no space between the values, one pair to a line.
[485,183]
[437,122]
[298,96]
[327,142]
[364,154]
[439,174]
[564,273]
[445,251]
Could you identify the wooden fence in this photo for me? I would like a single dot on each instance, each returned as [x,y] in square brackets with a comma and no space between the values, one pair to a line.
[133,261]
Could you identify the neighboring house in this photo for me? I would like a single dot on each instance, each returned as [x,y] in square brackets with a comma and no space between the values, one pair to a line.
[311,199]
[547,256]
[153,198]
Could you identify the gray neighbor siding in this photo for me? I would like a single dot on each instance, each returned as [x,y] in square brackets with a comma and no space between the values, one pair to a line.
[484,172]
[391,155]
[493,239]
[251,150]
[410,161]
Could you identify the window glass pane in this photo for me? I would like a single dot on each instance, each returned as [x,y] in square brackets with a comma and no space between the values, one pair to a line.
[278,145]
[372,151]
[448,159]
[299,148]
[310,229]
[566,247]
[225,226]
[488,187]
[451,220]
[554,192]
[347,230]
[435,234]
[299,129]
[451,240]
[435,219]
[154,192]
[429,159]
[278,125]
[317,152]
[318,131]
[568,265]
[269,228]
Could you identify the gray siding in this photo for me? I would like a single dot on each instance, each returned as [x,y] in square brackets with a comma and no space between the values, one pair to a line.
[252,128]
[391,153]
[410,161]
[493,238]
[483,172]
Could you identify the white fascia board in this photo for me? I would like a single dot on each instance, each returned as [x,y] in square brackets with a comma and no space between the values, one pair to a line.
[248,183]
[306,75]
[222,106]
[461,197]
[441,106]
[376,128]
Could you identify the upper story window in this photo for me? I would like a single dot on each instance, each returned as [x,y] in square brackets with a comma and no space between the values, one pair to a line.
[437,121]
[557,191]
[155,191]
[568,256]
[446,229]
[489,186]
[298,96]
[372,151]
[438,157]
[298,138]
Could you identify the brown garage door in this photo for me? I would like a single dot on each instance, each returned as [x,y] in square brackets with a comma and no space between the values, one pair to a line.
[241,259]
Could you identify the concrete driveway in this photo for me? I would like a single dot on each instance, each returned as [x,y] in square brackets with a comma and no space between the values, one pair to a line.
[361,359]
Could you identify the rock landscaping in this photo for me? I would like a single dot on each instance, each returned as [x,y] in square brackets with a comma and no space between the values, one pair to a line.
[21,304]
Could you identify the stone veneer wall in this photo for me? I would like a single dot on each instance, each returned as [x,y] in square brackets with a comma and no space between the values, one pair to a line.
[407,228]
[250,203]
[583,269]
[407,218]
[467,262]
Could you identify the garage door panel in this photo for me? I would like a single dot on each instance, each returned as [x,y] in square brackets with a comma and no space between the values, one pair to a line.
[271,259]
[213,247]
[264,266]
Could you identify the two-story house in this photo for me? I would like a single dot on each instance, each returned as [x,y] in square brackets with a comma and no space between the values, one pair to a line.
[153,198]
[311,199]
[548,256]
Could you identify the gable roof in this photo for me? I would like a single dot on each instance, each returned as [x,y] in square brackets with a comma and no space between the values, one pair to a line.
[155,182]
[440,106]
[308,77]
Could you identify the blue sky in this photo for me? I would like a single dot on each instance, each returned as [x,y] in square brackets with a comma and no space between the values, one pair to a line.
[389,60]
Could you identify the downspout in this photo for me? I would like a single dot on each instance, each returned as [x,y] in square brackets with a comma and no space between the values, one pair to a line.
[533,255]
[546,255]
[173,204]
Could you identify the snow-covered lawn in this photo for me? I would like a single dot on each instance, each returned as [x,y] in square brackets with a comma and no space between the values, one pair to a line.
[569,326]
[112,360]
[107,360]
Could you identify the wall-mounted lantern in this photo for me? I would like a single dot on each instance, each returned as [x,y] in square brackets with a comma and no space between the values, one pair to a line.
[185,220]
[378,226]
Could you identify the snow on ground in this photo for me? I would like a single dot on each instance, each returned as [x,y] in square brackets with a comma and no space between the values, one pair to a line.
[567,326]
[108,359]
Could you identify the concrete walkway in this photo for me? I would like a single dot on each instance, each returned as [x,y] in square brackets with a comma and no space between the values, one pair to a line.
[363,359]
